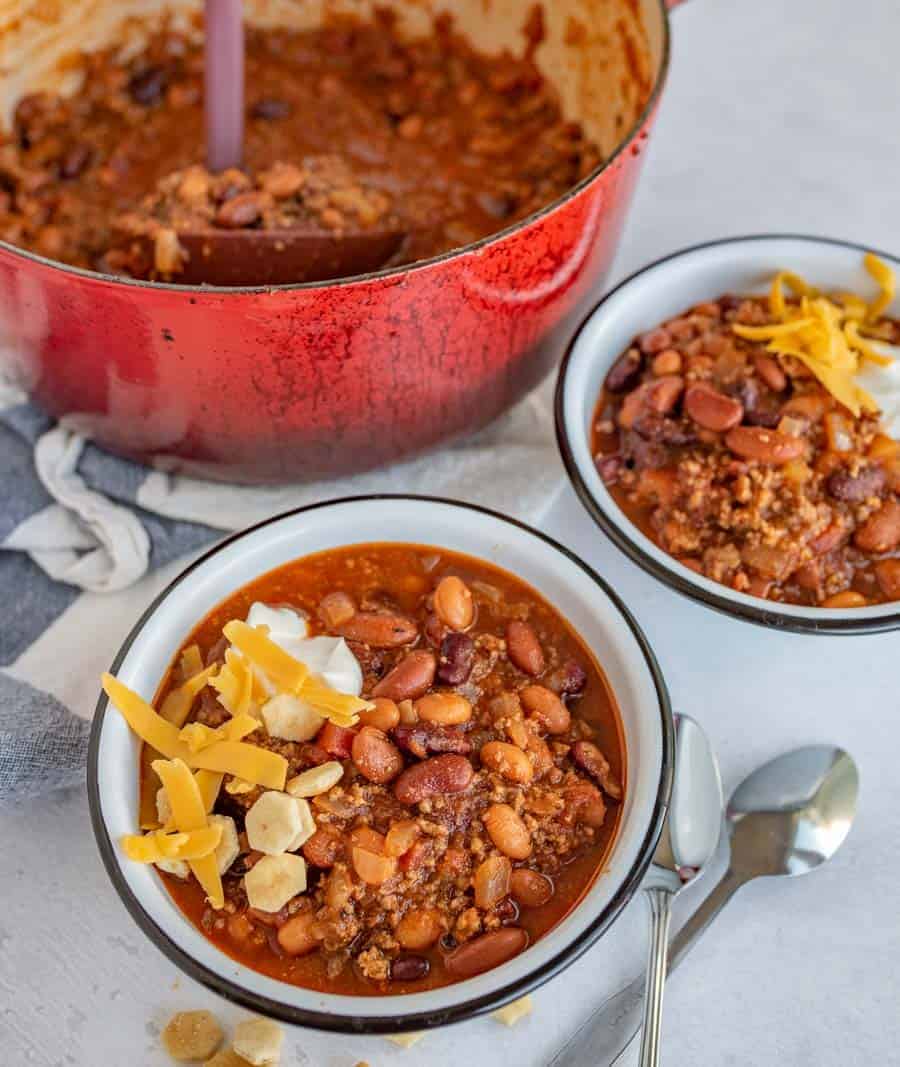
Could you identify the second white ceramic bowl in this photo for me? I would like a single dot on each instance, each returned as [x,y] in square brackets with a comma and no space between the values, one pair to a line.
[652,295]
[577,592]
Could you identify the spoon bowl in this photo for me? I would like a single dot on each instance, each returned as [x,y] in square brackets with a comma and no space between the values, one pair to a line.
[791,815]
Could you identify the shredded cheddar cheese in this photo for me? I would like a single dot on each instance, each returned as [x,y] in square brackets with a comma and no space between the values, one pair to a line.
[178,702]
[823,333]
[191,662]
[257,765]
[198,737]
[291,676]
[189,814]
[160,845]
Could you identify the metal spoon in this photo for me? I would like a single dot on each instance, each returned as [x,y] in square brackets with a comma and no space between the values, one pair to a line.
[688,841]
[788,817]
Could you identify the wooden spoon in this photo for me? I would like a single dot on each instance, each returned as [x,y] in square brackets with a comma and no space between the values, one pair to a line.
[303,253]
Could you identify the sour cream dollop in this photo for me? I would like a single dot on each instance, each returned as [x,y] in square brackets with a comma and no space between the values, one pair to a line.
[883,385]
[328,658]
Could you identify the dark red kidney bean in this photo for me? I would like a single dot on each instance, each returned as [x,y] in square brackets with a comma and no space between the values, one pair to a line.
[653,427]
[409,968]
[433,777]
[270,108]
[765,417]
[591,759]
[148,86]
[485,952]
[410,679]
[853,488]
[624,373]
[609,467]
[75,160]
[654,341]
[240,211]
[435,630]
[456,659]
[523,648]
[569,679]
[643,453]
[423,738]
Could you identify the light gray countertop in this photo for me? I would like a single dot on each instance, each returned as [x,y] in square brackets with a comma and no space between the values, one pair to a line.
[778,117]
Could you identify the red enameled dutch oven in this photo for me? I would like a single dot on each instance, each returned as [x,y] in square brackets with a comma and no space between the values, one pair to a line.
[304,381]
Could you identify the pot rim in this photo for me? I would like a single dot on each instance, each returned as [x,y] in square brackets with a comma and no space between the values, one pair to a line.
[404,269]
[627,538]
[402,1021]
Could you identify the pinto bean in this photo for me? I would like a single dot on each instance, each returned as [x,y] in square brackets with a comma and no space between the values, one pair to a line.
[336,608]
[625,372]
[545,707]
[770,372]
[240,211]
[377,758]
[456,659]
[887,571]
[507,831]
[590,758]
[654,341]
[529,888]
[419,928]
[445,709]
[667,362]
[411,678]
[659,396]
[569,679]
[853,488]
[453,603]
[487,951]
[849,598]
[523,648]
[379,629]
[711,409]
[508,761]
[763,445]
[399,839]
[433,777]
[409,968]
[384,716]
[296,938]
[881,531]
[421,739]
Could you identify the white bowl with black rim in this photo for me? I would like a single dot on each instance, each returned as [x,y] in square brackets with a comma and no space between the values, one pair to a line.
[662,290]
[585,600]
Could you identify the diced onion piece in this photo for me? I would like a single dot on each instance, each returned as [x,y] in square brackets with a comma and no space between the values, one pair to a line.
[371,868]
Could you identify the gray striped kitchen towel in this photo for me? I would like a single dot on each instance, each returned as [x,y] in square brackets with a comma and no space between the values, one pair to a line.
[87,539]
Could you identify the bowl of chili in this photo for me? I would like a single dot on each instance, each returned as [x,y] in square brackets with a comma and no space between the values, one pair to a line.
[697,428]
[418,554]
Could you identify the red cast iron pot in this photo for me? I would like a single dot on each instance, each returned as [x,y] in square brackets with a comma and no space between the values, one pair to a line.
[305,381]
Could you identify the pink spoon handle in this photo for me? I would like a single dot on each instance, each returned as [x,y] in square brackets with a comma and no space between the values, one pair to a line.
[224,84]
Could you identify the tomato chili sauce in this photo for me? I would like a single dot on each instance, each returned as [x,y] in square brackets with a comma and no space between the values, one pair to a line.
[348,126]
[354,940]
[744,467]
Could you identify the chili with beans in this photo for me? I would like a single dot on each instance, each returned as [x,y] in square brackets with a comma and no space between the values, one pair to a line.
[348,126]
[470,807]
[741,465]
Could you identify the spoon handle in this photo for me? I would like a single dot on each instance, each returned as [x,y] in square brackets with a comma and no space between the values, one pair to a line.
[605,1035]
[660,901]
